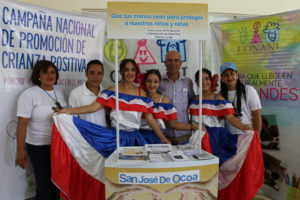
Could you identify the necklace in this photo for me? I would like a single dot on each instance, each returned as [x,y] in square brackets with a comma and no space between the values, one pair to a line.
[58,105]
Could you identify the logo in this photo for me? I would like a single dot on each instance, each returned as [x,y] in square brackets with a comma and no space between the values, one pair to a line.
[109,50]
[159,178]
[256,38]
[243,35]
[172,45]
[268,44]
[272,32]
[142,54]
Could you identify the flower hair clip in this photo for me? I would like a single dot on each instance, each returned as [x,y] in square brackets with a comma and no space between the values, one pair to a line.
[214,82]
[140,78]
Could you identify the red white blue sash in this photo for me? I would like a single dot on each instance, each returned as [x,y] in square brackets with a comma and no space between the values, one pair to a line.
[164,111]
[126,102]
[212,107]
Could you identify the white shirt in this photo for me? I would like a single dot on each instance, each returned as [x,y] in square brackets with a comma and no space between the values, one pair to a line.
[35,104]
[82,96]
[253,103]
[128,120]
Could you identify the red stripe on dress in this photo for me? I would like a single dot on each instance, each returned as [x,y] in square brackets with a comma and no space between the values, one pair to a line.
[124,106]
[206,144]
[210,112]
[162,115]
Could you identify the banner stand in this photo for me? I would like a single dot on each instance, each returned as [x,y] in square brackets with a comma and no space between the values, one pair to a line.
[165,179]
[200,91]
[117,93]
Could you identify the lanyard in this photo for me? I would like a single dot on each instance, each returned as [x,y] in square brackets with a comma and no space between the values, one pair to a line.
[55,100]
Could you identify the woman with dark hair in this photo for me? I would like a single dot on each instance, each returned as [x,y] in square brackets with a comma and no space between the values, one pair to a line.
[215,108]
[243,97]
[34,131]
[239,155]
[133,103]
[163,110]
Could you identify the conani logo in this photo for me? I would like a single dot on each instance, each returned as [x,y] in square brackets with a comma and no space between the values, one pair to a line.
[261,41]
[159,178]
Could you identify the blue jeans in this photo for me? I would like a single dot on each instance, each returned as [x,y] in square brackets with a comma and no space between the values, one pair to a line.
[40,159]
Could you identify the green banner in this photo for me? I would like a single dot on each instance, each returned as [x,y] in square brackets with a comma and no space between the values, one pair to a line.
[266,52]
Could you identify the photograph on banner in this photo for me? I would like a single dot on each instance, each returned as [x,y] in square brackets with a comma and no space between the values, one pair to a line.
[145,20]
[29,33]
[266,52]
[269,134]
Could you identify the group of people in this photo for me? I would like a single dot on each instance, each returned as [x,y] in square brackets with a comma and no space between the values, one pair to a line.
[165,111]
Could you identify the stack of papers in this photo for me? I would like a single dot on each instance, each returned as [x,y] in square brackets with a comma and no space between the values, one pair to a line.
[156,157]
[133,151]
[158,148]
[188,149]
[178,156]
[203,156]
[133,158]
[133,155]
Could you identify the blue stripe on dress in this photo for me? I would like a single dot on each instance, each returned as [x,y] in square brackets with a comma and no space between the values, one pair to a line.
[104,139]
[165,106]
[150,136]
[223,143]
[131,138]
[212,102]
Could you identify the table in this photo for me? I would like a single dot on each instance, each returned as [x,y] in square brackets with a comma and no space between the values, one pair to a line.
[161,180]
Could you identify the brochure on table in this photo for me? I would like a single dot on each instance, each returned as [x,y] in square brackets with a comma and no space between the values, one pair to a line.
[133,156]
[165,180]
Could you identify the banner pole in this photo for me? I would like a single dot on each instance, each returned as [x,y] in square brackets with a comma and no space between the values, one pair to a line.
[200,92]
[117,93]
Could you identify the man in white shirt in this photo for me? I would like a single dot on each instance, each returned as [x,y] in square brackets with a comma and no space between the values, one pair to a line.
[88,92]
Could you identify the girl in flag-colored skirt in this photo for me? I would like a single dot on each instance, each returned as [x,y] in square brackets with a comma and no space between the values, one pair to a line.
[214,109]
[240,155]
[133,103]
[163,110]
[248,109]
